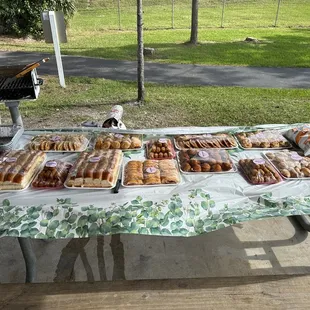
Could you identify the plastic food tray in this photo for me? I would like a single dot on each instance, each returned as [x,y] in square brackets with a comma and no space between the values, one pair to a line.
[97,188]
[153,140]
[82,148]
[246,177]
[207,136]
[282,176]
[124,150]
[28,184]
[262,148]
[299,136]
[233,170]
[151,185]
[48,187]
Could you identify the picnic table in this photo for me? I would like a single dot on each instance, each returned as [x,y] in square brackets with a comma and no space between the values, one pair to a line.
[199,204]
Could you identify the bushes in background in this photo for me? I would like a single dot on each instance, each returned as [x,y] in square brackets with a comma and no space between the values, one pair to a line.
[23,17]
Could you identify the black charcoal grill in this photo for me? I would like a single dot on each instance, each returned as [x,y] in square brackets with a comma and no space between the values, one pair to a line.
[23,88]
[14,89]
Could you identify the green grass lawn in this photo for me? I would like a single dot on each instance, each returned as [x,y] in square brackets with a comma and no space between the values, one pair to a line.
[103,14]
[166,106]
[90,34]
[280,47]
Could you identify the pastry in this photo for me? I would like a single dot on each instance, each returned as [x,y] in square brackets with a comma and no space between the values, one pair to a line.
[290,164]
[219,140]
[168,172]
[53,174]
[262,139]
[58,142]
[18,167]
[106,141]
[205,160]
[151,172]
[259,171]
[95,169]
[134,173]
[160,149]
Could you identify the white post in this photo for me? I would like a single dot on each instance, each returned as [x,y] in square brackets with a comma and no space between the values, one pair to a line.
[277,14]
[172,14]
[223,12]
[57,49]
[119,14]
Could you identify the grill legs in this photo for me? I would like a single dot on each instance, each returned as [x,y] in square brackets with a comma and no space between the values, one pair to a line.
[29,257]
[14,111]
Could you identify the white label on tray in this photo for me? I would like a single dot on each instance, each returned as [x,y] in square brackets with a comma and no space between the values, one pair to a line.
[51,164]
[260,135]
[11,159]
[151,170]
[94,159]
[118,135]
[203,154]
[296,157]
[162,140]
[55,138]
[259,161]
[209,135]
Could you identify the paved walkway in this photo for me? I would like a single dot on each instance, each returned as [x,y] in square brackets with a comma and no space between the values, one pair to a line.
[168,73]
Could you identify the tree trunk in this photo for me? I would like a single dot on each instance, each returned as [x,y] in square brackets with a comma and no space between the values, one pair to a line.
[194,25]
[141,90]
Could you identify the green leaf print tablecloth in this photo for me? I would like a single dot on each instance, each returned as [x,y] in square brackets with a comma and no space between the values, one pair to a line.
[200,204]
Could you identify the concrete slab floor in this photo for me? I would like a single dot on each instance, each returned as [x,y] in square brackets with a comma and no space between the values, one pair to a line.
[273,246]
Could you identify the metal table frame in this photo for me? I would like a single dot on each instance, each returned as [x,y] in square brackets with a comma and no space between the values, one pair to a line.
[30,257]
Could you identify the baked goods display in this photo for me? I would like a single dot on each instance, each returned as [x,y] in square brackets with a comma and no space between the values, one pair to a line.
[301,136]
[96,169]
[61,142]
[217,140]
[150,172]
[17,168]
[290,164]
[198,153]
[160,149]
[53,174]
[105,141]
[271,139]
[207,160]
[259,171]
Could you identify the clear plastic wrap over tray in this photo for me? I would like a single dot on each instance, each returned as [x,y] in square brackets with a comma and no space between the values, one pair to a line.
[205,160]
[203,141]
[262,139]
[105,141]
[259,171]
[17,168]
[290,164]
[300,136]
[53,175]
[150,173]
[59,142]
[160,149]
[97,170]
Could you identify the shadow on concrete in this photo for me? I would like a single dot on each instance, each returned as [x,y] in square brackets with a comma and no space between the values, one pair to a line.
[76,247]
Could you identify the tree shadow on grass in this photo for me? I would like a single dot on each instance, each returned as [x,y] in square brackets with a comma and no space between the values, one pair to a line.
[272,52]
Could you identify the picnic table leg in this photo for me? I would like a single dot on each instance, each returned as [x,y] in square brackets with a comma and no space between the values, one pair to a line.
[304,221]
[29,258]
